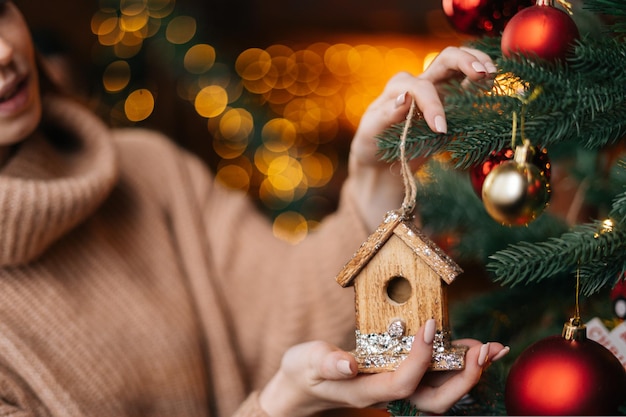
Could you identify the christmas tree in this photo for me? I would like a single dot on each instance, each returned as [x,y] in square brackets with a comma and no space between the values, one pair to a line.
[570,110]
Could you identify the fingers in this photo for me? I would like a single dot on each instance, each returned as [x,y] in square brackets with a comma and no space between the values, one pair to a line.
[320,361]
[499,355]
[401,383]
[389,108]
[494,352]
[451,63]
[446,388]
[317,375]
[428,101]
[393,104]
[471,63]
[337,365]
[420,357]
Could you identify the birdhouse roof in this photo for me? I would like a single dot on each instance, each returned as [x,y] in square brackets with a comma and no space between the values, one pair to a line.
[424,249]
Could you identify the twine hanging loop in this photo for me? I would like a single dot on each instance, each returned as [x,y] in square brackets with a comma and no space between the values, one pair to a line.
[410,188]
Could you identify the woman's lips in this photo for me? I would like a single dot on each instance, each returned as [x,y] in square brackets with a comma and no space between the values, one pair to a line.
[13,97]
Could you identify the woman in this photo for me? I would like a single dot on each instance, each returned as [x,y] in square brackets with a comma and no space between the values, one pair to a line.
[131,284]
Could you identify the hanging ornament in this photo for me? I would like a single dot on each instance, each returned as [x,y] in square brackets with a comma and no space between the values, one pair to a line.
[479,172]
[482,17]
[566,375]
[541,30]
[516,192]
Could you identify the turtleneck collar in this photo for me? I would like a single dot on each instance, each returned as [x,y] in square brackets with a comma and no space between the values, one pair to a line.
[47,187]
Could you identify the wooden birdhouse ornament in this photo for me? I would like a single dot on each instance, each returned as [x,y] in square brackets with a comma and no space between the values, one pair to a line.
[400,280]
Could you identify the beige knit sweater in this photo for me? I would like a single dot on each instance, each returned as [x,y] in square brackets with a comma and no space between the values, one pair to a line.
[131,284]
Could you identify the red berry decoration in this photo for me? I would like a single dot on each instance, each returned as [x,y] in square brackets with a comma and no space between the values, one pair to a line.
[566,375]
[479,172]
[541,30]
[482,17]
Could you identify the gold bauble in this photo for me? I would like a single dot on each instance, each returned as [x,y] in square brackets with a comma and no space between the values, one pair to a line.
[515,193]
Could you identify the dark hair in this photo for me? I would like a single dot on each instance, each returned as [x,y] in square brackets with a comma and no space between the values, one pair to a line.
[46,85]
[49,45]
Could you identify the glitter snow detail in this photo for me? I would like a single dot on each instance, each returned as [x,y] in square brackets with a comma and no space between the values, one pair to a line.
[381,351]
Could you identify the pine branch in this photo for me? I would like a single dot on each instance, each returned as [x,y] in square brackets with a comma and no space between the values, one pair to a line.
[616,8]
[475,127]
[618,212]
[599,253]
[608,7]
[584,101]
[487,396]
[502,314]
[476,234]
[402,408]
[595,57]
[596,249]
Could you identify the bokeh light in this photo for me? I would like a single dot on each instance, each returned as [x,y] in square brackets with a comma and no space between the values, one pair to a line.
[160,9]
[199,58]
[139,105]
[116,76]
[181,30]
[290,226]
[211,101]
[233,176]
[232,132]
[274,113]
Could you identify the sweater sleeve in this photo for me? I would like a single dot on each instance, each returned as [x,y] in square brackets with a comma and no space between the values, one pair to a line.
[257,295]
[278,294]
[17,399]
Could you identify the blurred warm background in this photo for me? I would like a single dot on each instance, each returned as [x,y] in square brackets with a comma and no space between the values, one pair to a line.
[268,93]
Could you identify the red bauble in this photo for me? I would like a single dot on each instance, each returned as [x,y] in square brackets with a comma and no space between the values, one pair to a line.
[540,30]
[556,376]
[482,17]
[479,172]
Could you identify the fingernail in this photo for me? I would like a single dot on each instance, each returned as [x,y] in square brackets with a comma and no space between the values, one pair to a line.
[491,68]
[440,124]
[478,67]
[343,366]
[401,99]
[482,356]
[429,331]
[501,354]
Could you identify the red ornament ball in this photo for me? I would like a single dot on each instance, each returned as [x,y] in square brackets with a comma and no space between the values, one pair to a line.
[479,172]
[540,30]
[556,376]
[482,17]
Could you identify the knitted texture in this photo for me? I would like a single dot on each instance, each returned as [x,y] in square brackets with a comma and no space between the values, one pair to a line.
[131,284]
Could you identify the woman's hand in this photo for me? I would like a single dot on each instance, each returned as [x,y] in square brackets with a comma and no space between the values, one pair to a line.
[316,376]
[376,189]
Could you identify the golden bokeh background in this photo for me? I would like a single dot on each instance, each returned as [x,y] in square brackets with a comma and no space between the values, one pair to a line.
[273,118]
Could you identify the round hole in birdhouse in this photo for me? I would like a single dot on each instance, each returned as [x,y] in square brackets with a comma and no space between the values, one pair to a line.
[399,290]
